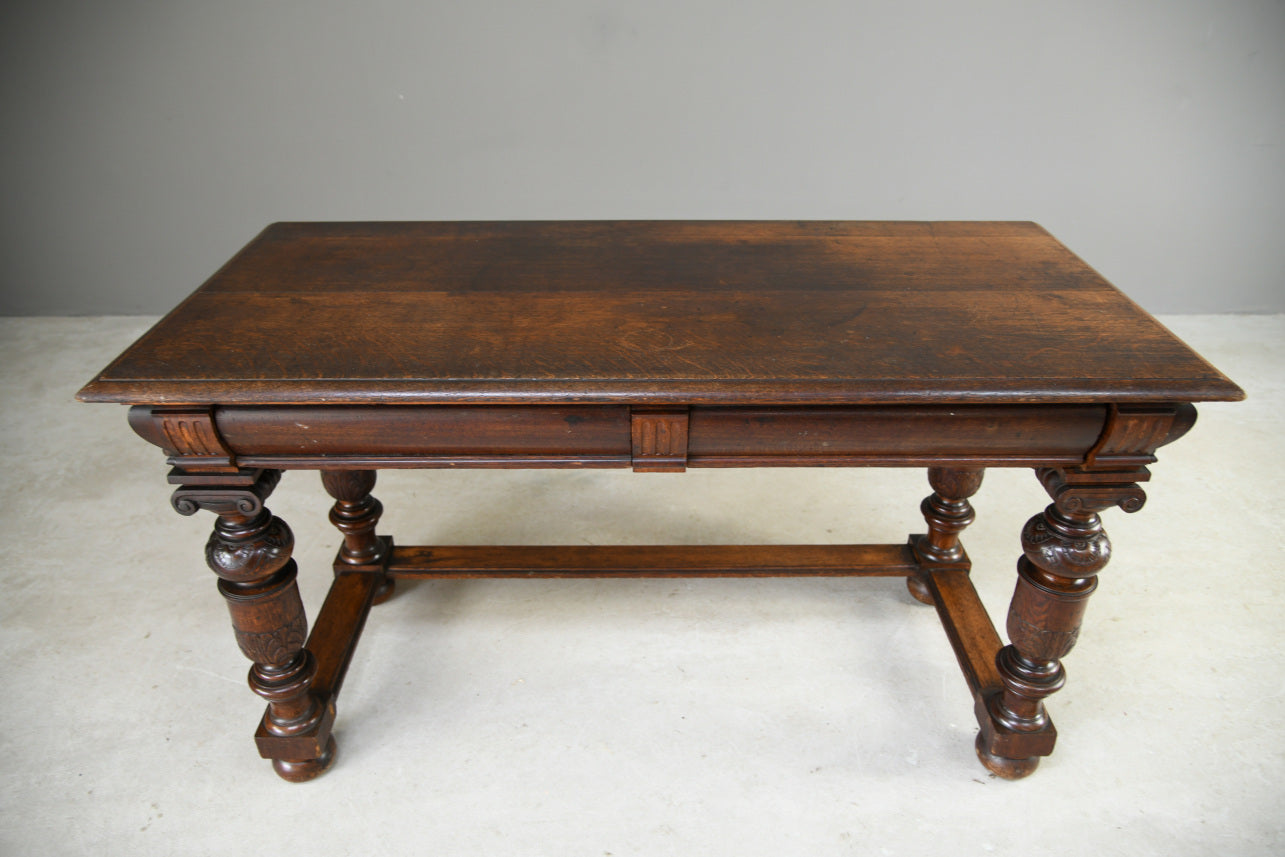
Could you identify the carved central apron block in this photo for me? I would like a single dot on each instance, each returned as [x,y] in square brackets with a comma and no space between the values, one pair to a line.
[660,440]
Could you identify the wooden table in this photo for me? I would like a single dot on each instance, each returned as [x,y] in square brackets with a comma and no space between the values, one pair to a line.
[350,347]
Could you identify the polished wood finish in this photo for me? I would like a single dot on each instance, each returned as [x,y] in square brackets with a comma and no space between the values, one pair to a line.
[250,552]
[337,629]
[658,346]
[947,512]
[453,433]
[355,514]
[968,628]
[659,439]
[424,436]
[1064,548]
[657,313]
[652,561]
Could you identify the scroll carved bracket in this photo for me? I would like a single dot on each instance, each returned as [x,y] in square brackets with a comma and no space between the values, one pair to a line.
[241,497]
[659,440]
[1080,492]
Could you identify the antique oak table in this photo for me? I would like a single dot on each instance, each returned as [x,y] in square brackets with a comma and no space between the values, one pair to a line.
[657,346]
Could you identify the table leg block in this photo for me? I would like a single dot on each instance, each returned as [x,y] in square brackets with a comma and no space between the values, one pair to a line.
[298,749]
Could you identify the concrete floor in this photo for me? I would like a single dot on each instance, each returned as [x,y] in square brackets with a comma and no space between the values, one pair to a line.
[653,717]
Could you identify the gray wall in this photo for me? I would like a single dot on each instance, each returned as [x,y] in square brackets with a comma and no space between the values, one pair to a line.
[144,142]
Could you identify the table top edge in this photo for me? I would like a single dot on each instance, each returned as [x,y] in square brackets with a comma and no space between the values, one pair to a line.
[723,393]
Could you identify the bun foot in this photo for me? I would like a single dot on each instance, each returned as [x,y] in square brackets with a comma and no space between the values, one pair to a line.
[1004,768]
[385,590]
[309,769]
[919,589]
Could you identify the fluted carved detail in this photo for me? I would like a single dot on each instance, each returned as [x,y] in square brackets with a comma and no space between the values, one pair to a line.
[192,433]
[188,435]
[1133,433]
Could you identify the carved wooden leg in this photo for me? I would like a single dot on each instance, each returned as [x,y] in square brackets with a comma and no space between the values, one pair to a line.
[250,552]
[355,514]
[947,512]
[1064,548]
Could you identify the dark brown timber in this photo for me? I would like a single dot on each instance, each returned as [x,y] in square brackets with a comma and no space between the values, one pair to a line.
[658,346]
[653,561]
[250,552]
[355,514]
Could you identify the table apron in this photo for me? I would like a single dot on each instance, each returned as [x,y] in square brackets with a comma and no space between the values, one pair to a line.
[414,436]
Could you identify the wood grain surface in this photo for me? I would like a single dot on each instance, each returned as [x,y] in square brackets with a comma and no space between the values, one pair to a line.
[728,313]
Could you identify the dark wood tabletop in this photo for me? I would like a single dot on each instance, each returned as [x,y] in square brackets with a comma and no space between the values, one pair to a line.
[700,312]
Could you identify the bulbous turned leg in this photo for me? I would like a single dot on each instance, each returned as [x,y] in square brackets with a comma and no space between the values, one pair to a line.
[947,512]
[250,552]
[1063,549]
[1063,553]
[355,514]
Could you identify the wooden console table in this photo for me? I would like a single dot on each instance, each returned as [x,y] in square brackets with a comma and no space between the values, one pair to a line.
[350,347]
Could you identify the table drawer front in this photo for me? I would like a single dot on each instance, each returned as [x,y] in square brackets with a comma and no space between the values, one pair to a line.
[413,430]
[734,436]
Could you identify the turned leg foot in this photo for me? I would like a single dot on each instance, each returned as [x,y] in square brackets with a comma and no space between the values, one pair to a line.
[919,589]
[309,769]
[947,512]
[387,589]
[1004,768]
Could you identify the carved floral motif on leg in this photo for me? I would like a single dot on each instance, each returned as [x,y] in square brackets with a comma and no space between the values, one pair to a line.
[1063,549]
[250,552]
